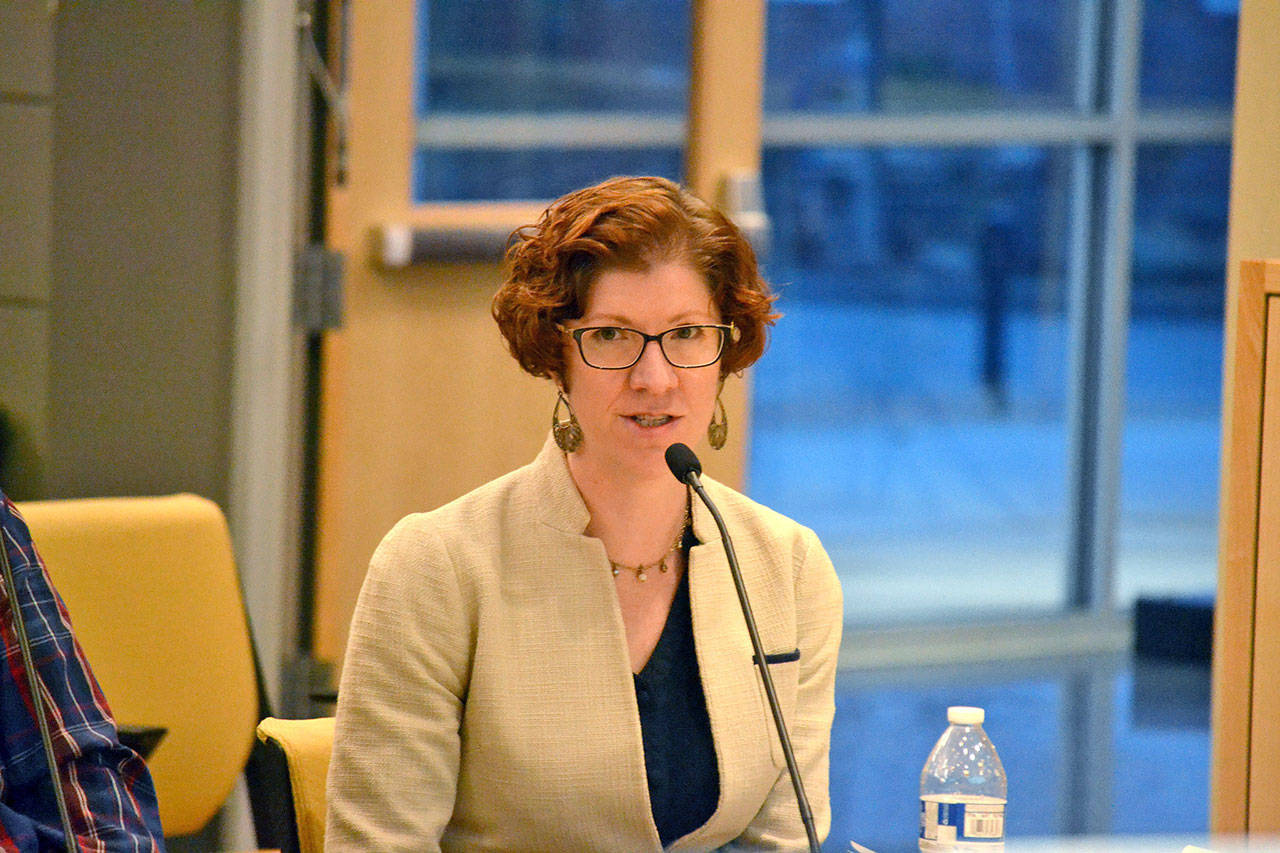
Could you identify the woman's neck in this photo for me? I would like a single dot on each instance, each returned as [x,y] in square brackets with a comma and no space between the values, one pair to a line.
[635,517]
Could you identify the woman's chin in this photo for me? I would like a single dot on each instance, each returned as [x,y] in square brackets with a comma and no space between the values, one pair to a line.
[637,449]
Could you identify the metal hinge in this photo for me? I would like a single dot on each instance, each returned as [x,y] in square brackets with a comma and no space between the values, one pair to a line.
[330,85]
[317,289]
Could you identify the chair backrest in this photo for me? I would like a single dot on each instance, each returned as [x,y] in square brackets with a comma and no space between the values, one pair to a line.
[304,747]
[154,597]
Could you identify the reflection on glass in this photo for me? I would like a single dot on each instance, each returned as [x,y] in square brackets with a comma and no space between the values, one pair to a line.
[1169,494]
[492,56]
[861,56]
[1094,745]
[911,407]
[1188,53]
[536,60]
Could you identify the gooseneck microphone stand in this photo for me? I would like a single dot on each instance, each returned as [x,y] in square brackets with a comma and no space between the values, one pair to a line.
[687,469]
[37,700]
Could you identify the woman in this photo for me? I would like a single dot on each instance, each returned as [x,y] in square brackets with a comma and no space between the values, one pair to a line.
[557,660]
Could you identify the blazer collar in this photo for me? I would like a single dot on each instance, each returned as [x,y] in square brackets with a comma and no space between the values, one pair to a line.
[557,501]
[560,506]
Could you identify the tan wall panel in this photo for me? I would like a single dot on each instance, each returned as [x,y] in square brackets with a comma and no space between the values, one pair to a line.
[1254,232]
[1264,758]
[1234,616]
[725,106]
[26,47]
[26,143]
[142,272]
[420,400]
[26,173]
[24,364]
[725,93]
[1254,229]
[432,406]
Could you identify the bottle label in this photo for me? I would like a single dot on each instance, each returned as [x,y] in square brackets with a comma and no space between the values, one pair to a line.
[951,819]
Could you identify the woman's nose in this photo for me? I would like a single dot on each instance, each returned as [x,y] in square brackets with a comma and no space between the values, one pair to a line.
[653,372]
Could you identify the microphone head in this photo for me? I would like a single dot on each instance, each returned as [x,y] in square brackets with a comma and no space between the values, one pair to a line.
[682,461]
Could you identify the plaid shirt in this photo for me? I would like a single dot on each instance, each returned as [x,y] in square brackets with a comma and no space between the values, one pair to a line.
[109,794]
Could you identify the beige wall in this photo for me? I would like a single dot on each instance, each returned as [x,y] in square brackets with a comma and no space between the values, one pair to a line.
[26,154]
[117,192]
[1255,148]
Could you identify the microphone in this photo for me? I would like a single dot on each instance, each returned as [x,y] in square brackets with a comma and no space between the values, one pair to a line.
[684,464]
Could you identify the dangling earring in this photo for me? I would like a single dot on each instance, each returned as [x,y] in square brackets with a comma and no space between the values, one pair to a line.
[568,434]
[718,431]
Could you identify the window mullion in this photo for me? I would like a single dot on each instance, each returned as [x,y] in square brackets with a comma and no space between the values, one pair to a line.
[1103,314]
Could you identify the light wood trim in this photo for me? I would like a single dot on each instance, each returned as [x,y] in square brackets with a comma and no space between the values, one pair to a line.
[1254,232]
[726,85]
[502,215]
[1234,626]
[1264,740]
[420,402]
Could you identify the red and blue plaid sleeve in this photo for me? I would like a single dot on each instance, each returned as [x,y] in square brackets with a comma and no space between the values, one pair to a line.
[110,798]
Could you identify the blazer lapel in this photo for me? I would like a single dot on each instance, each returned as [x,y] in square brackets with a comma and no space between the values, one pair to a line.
[739,721]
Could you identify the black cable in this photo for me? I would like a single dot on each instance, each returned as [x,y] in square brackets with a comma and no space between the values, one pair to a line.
[37,702]
[761,660]
[685,466]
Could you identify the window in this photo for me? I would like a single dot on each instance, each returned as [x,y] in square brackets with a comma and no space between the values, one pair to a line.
[913,404]
[984,220]
[529,99]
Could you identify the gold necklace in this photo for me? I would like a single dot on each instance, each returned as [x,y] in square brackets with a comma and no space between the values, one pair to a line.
[642,571]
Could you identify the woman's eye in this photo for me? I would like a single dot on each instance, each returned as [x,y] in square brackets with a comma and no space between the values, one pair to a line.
[685,333]
[606,335]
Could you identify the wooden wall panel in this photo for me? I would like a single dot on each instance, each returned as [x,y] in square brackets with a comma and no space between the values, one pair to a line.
[1254,232]
[1247,627]
[1264,740]
[420,400]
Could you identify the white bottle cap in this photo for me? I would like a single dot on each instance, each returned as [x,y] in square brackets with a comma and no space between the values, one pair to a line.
[963,715]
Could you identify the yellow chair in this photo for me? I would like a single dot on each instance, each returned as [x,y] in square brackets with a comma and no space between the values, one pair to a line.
[154,596]
[303,746]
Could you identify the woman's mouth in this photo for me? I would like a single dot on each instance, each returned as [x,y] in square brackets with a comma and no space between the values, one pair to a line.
[651,420]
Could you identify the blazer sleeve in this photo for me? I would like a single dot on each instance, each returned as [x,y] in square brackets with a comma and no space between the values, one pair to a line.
[393,773]
[819,623]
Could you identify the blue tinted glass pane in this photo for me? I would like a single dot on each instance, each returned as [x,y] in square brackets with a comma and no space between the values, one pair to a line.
[484,56]
[1189,53]
[911,407]
[1169,495]
[540,59]
[870,55]
[470,175]
[1098,746]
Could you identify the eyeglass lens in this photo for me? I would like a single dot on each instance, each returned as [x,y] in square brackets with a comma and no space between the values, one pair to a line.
[683,346]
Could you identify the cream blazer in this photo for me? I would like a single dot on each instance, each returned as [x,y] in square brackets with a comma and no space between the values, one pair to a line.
[487,700]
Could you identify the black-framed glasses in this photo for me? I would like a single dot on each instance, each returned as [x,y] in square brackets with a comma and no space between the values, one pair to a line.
[617,347]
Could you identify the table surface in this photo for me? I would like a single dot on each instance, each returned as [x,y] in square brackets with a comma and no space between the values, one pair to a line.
[1143,844]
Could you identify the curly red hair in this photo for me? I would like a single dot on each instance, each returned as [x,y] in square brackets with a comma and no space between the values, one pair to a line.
[625,223]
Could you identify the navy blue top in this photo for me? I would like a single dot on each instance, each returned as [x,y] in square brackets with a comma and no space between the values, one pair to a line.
[679,753]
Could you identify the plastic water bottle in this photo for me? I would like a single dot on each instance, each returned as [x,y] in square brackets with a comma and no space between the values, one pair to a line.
[962,789]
